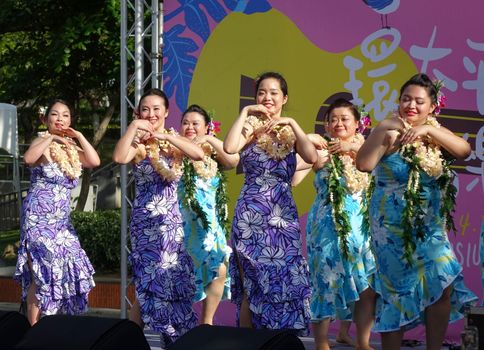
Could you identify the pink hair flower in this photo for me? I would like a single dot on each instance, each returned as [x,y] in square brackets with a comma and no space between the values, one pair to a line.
[214,127]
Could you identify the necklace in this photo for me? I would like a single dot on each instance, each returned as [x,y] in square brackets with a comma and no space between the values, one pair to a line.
[169,168]
[277,143]
[66,156]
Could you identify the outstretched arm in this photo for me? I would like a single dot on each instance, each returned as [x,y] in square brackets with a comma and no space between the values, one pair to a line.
[127,148]
[240,132]
[190,149]
[87,154]
[380,141]
[228,161]
[454,144]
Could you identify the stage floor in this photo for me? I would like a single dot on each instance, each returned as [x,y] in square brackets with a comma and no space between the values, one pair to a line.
[154,341]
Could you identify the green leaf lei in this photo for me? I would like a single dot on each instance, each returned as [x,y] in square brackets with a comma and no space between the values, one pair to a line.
[336,197]
[365,209]
[191,202]
[413,213]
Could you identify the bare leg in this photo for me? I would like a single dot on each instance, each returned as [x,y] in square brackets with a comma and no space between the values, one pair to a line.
[214,293]
[320,331]
[437,319]
[245,318]
[343,336]
[33,310]
[135,314]
[364,316]
[391,340]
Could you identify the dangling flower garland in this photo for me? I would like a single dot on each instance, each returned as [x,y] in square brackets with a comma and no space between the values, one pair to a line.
[424,155]
[342,165]
[66,156]
[189,200]
[277,143]
[169,169]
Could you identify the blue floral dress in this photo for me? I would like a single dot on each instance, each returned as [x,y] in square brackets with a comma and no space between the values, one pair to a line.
[162,268]
[404,290]
[336,281]
[208,248]
[266,239]
[60,267]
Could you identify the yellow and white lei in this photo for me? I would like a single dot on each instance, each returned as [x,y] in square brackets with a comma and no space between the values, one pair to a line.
[208,167]
[169,169]
[277,143]
[66,156]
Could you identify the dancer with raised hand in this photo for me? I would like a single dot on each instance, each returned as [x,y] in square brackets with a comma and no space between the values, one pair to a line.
[419,279]
[162,268]
[55,273]
[203,204]
[338,244]
[270,279]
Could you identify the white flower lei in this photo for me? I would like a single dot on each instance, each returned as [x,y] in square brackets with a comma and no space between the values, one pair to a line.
[427,153]
[168,169]
[66,156]
[208,167]
[278,143]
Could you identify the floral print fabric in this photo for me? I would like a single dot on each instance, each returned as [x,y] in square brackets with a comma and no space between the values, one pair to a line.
[208,248]
[405,290]
[267,241]
[336,281]
[162,268]
[60,267]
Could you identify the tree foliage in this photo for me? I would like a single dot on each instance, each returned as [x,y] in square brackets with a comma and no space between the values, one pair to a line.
[54,48]
[65,49]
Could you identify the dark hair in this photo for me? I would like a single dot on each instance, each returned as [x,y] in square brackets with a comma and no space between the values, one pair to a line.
[341,102]
[424,81]
[199,110]
[273,75]
[155,92]
[58,100]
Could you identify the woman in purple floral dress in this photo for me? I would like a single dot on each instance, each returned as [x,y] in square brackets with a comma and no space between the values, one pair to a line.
[270,278]
[54,271]
[162,269]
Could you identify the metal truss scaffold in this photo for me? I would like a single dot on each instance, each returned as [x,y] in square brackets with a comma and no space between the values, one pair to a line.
[141,66]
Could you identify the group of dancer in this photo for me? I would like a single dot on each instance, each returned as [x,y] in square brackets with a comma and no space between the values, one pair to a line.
[377,246]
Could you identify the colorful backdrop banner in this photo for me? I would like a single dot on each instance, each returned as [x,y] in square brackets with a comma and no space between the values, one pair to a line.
[362,49]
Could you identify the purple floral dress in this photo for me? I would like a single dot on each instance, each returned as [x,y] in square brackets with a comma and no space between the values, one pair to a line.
[162,269]
[60,267]
[266,239]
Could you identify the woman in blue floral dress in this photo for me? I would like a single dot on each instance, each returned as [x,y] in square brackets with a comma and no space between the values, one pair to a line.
[340,260]
[270,279]
[162,269]
[55,273]
[203,204]
[418,278]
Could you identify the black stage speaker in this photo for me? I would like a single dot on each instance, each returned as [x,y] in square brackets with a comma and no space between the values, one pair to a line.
[13,326]
[206,337]
[64,332]
[473,335]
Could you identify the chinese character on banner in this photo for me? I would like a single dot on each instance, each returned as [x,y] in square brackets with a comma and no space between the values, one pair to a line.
[478,83]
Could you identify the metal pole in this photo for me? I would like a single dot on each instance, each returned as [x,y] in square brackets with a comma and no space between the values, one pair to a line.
[124,176]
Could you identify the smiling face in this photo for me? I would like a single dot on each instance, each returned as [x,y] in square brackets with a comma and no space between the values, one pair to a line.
[271,96]
[415,105]
[59,117]
[193,125]
[153,109]
[342,123]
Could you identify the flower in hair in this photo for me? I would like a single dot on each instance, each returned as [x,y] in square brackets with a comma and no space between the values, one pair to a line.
[365,120]
[214,127]
[441,98]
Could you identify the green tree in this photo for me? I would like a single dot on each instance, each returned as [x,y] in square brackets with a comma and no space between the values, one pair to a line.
[61,49]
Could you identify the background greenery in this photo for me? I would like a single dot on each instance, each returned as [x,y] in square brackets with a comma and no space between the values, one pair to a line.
[98,233]
[66,49]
